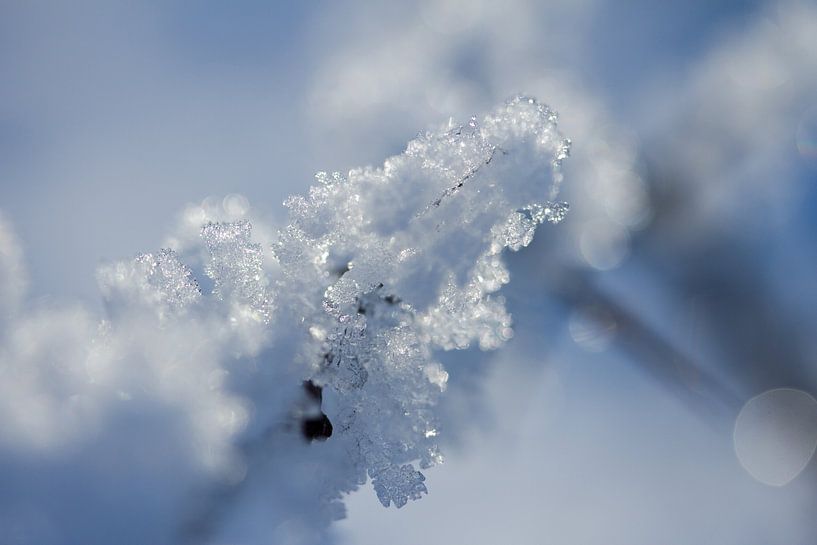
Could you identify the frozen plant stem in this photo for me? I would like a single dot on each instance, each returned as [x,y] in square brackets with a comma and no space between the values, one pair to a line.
[375,272]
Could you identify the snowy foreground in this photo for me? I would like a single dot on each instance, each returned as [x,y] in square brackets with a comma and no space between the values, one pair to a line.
[249,370]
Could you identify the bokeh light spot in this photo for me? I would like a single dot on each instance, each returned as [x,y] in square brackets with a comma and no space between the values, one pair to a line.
[604,244]
[776,435]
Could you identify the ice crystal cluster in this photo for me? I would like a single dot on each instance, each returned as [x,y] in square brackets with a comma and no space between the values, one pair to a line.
[222,355]
[386,265]
[382,267]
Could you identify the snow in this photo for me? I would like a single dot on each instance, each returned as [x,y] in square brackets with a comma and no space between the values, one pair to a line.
[188,391]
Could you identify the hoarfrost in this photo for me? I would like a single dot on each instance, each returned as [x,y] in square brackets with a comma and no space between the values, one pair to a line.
[407,259]
[375,272]
[236,267]
[379,268]
[398,484]
[157,279]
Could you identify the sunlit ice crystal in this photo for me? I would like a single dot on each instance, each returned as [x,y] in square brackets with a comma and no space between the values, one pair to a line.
[236,267]
[407,259]
[398,484]
[555,212]
[158,280]
[375,273]
[170,278]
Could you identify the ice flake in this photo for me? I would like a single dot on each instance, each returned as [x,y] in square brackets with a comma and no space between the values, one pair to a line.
[158,280]
[555,212]
[172,280]
[405,260]
[375,272]
[398,484]
[236,267]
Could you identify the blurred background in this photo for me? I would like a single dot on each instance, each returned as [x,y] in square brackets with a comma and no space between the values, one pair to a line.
[659,388]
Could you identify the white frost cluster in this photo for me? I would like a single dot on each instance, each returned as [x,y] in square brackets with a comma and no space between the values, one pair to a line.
[156,279]
[205,347]
[405,259]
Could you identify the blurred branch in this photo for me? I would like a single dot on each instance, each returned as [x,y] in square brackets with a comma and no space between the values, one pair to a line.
[697,387]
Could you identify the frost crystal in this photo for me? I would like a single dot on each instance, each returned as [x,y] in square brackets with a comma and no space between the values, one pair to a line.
[406,259]
[155,279]
[398,484]
[376,272]
[169,278]
[236,267]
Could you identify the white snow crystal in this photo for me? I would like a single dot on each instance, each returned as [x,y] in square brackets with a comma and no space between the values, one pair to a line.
[156,279]
[236,267]
[406,259]
[375,272]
